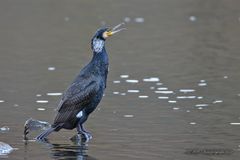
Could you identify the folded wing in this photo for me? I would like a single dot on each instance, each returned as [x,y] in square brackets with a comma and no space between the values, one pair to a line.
[75,99]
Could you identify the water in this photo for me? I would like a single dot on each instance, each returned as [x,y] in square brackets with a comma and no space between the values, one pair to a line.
[186,44]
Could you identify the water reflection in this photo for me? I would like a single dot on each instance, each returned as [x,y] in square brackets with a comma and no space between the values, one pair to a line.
[75,151]
[68,151]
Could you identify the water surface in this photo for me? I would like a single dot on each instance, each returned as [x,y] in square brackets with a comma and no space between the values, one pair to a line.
[189,48]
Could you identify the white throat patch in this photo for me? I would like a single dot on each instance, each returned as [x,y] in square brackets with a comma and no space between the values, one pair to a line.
[98,45]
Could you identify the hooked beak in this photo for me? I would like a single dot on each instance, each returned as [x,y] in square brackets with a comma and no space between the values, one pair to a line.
[115,29]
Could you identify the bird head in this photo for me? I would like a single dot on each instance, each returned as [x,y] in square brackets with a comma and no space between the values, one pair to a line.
[104,33]
[101,35]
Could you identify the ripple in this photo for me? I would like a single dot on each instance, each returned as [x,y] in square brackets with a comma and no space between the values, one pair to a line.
[127,19]
[186,90]
[132,81]
[151,79]
[143,96]
[41,109]
[202,84]
[162,88]
[192,123]
[234,123]
[186,97]
[176,108]
[128,116]
[201,105]
[217,101]
[66,19]
[51,68]
[164,92]
[42,101]
[54,94]
[124,76]
[139,20]
[133,91]
[163,97]
[171,101]
[193,18]
[116,82]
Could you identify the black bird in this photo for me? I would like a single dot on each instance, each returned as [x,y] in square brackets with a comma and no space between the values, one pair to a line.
[86,91]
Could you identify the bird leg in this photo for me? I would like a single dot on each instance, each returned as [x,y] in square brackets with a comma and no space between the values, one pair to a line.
[81,130]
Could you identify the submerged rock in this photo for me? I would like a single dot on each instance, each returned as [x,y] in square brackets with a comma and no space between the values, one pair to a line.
[34,125]
[5,148]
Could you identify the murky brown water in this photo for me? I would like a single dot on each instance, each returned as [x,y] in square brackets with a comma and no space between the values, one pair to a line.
[187,44]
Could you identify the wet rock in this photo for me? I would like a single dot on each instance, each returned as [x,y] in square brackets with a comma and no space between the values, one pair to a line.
[5,148]
[34,125]
[4,129]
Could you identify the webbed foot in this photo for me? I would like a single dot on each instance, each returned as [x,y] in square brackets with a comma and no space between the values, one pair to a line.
[86,136]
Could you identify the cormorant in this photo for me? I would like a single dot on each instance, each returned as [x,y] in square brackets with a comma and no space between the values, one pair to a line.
[86,91]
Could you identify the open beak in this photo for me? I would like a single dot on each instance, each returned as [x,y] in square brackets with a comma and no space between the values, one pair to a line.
[115,29]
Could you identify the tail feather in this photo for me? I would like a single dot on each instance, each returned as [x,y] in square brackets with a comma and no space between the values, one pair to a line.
[44,134]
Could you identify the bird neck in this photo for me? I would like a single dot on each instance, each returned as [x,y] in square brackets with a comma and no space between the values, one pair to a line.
[99,52]
[100,58]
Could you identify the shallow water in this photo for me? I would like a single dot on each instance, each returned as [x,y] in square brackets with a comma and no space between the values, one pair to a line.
[191,47]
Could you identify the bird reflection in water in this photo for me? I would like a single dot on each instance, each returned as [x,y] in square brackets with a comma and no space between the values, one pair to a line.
[67,151]
[75,151]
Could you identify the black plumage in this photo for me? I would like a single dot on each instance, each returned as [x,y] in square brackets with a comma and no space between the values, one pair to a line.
[86,91]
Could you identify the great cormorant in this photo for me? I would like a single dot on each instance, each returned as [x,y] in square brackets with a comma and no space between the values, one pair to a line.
[86,91]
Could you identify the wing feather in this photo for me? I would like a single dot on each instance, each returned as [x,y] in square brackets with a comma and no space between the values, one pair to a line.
[74,100]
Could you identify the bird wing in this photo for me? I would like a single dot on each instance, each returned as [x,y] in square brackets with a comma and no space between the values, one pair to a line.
[78,94]
[74,100]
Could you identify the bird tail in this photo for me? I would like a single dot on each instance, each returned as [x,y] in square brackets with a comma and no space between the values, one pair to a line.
[44,134]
